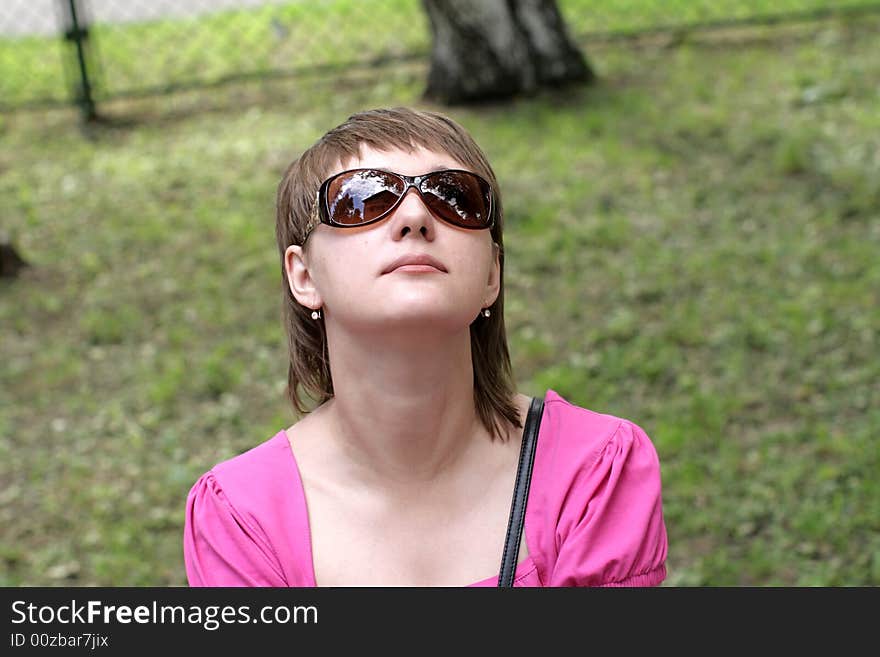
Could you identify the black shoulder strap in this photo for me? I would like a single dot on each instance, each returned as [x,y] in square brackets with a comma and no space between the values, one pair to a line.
[521,493]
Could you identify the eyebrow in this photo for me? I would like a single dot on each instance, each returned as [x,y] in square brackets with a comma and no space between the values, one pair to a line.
[436,167]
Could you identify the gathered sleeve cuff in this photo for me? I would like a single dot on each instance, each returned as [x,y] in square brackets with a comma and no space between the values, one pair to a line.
[617,535]
[220,546]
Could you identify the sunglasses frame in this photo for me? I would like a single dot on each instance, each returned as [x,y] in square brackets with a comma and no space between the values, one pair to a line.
[321,213]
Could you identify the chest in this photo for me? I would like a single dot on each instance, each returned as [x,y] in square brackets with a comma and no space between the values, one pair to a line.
[428,540]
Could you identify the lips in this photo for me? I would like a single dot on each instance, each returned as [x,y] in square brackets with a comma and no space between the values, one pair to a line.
[415,259]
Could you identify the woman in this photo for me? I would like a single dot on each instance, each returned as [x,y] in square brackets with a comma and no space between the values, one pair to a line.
[390,234]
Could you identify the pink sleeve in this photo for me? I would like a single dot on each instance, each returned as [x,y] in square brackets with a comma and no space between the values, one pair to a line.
[220,548]
[617,536]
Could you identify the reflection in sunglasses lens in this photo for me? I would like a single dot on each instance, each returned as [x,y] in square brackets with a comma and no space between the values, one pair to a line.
[459,198]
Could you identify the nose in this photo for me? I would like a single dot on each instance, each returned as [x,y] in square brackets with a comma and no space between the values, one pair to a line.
[412,212]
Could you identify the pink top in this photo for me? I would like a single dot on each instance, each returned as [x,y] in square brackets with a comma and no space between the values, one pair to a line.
[594,515]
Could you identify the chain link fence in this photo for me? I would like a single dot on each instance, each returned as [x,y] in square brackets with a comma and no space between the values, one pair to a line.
[58,52]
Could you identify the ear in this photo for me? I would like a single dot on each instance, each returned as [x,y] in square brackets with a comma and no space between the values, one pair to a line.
[493,285]
[299,278]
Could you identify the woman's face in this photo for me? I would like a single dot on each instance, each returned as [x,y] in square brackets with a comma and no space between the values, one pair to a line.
[346,266]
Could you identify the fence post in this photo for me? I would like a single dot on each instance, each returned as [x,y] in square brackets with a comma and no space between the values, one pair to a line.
[79,34]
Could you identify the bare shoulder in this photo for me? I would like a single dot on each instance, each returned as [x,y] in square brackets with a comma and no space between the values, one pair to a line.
[523,403]
[307,438]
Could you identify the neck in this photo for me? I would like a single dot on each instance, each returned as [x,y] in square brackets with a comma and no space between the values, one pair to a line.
[403,409]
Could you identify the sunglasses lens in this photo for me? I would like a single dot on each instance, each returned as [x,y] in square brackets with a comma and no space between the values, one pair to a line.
[459,197]
[360,196]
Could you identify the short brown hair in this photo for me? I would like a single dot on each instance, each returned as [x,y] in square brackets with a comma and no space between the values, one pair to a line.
[384,129]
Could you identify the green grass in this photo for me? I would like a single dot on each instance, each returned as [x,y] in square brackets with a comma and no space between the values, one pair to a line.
[691,244]
[130,58]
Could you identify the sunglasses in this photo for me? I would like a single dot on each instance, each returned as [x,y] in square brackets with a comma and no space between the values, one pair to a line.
[359,197]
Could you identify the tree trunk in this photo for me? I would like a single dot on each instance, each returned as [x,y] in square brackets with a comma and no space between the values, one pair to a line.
[495,49]
[10,261]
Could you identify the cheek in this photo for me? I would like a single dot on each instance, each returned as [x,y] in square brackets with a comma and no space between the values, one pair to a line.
[477,262]
[346,274]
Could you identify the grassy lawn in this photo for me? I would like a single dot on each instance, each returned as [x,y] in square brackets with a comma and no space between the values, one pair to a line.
[156,52]
[691,244]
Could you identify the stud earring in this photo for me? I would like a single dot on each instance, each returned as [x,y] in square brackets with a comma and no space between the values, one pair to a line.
[486,312]
[316,314]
